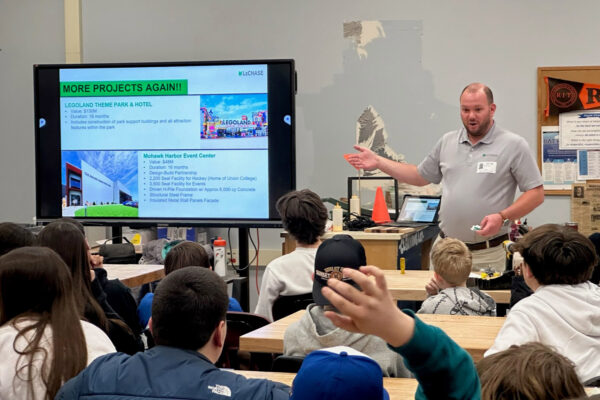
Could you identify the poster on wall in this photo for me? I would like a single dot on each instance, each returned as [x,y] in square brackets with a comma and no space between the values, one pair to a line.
[588,164]
[559,167]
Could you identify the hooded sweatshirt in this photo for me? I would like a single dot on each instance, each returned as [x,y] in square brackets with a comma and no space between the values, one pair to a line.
[315,331]
[564,317]
[459,301]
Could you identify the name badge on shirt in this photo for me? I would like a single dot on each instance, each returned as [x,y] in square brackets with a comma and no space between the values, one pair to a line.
[486,167]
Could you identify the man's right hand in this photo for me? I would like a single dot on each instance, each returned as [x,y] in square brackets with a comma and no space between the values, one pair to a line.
[364,159]
[371,310]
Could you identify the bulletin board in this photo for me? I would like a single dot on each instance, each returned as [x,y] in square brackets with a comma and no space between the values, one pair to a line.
[586,74]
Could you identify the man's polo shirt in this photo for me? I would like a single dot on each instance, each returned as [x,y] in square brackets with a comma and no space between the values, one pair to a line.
[479,179]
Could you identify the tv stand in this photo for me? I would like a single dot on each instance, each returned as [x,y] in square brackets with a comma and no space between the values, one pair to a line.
[117,233]
[243,289]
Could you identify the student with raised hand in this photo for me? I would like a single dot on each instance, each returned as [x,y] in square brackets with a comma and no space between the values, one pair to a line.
[443,369]
[314,331]
[184,254]
[43,342]
[189,327]
[67,240]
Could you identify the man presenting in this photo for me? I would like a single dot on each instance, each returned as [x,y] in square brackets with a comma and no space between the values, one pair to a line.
[479,166]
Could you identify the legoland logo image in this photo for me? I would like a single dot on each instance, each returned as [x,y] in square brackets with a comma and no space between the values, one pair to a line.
[259,72]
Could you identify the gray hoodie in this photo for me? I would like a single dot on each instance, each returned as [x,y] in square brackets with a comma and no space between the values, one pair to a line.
[459,301]
[315,331]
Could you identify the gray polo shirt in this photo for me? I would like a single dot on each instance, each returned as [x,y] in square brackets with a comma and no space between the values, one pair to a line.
[479,179]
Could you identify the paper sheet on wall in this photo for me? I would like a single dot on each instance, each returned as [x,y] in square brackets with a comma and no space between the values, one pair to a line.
[559,167]
[579,130]
[585,207]
[588,165]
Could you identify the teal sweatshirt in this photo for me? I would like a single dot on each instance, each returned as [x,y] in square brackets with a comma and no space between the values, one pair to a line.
[443,369]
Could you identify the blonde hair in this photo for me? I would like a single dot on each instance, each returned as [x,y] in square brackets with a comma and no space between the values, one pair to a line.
[452,260]
[530,371]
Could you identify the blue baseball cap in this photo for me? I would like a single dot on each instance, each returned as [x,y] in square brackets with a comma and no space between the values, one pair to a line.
[339,373]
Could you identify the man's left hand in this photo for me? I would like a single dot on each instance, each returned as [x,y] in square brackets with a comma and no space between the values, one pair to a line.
[490,225]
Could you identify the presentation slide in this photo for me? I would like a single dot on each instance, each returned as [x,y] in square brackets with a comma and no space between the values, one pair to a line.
[183,142]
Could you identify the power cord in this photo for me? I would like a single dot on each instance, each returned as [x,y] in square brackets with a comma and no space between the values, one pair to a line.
[239,269]
[358,223]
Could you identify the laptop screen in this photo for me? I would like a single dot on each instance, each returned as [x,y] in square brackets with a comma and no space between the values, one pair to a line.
[419,209]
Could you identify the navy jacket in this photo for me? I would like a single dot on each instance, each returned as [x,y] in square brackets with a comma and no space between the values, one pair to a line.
[165,373]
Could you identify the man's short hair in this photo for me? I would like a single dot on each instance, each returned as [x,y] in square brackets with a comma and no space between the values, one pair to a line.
[530,371]
[476,87]
[13,236]
[188,305]
[186,254]
[452,260]
[558,255]
[303,214]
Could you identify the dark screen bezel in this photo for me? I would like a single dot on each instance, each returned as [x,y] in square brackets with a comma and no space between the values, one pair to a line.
[282,162]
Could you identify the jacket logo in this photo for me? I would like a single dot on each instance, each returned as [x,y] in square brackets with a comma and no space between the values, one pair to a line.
[220,389]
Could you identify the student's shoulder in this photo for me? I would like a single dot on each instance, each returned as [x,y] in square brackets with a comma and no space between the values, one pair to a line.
[232,385]
[293,257]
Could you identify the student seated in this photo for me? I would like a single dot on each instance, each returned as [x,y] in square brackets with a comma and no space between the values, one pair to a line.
[189,327]
[184,254]
[443,369]
[532,371]
[13,236]
[564,310]
[304,216]
[338,373]
[595,238]
[70,244]
[38,315]
[118,296]
[315,331]
[449,294]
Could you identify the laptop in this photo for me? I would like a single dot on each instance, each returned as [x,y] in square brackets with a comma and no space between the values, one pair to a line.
[418,211]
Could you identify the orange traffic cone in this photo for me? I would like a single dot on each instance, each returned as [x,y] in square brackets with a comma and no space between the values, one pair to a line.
[380,211]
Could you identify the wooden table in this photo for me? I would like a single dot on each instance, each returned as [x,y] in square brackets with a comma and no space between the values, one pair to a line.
[472,333]
[411,286]
[133,275]
[382,249]
[397,388]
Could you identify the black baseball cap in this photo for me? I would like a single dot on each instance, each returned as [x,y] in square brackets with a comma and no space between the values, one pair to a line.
[333,255]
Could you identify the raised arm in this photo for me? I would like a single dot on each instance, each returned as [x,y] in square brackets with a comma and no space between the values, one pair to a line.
[367,160]
[372,310]
[443,369]
[527,202]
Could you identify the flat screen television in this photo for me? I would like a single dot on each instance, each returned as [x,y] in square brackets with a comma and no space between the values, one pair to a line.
[189,143]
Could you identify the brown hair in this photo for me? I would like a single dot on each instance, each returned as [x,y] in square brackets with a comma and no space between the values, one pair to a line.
[13,236]
[558,255]
[188,305]
[67,240]
[186,254]
[303,215]
[35,292]
[476,87]
[530,371]
[452,260]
